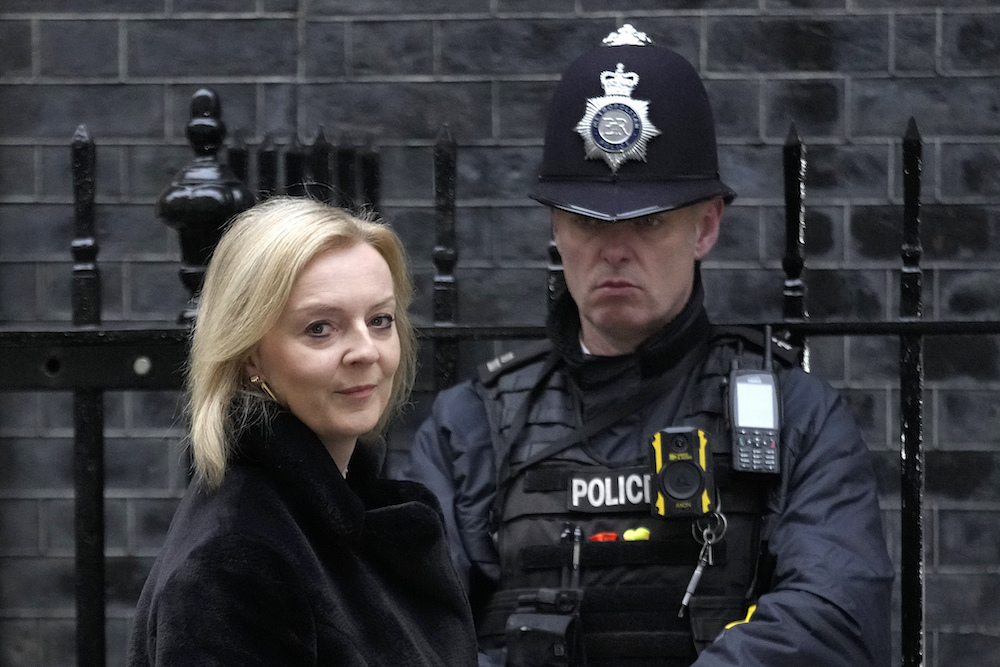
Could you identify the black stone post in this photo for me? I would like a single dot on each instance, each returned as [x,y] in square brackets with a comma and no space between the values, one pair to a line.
[203,197]
[911,384]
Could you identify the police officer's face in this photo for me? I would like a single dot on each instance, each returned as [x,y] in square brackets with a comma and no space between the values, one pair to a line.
[629,278]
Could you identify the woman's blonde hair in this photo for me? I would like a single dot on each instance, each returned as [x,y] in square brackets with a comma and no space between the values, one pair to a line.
[247,285]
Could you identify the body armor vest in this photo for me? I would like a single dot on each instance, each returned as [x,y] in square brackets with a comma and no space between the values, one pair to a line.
[632,589]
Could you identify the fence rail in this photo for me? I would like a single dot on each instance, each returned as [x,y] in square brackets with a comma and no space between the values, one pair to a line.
[89,359]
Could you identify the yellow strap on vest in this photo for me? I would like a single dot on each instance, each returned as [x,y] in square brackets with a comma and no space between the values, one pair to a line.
[750,612]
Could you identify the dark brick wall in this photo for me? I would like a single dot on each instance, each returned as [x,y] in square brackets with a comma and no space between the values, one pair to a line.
[848,73]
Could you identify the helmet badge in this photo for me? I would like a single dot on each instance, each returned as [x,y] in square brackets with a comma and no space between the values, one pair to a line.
[627,35]
[616,127]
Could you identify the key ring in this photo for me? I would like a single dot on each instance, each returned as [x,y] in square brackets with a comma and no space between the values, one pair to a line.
[712,526]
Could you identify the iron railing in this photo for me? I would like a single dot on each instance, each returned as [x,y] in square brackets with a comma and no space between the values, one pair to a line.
[90,359]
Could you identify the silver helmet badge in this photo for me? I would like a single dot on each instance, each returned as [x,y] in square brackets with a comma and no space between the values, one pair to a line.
[627,35]
[616,127]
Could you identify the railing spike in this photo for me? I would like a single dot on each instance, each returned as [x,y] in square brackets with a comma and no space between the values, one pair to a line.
[793,262]
[445,256]
[911,381]
[88,420]
[267,168]
[239,156]
[371,175]
[793,135]
[86,293]
[295,175]
[320,185]
[347,172]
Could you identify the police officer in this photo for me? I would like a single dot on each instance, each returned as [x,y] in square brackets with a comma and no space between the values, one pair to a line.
[577,537]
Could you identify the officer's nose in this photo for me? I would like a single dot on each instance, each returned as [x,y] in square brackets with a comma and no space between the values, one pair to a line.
[616,242]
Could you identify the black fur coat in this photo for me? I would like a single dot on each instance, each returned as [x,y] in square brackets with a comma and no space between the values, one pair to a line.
[286,563]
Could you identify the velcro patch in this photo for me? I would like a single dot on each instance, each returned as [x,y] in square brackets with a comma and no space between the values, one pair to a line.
[623,490]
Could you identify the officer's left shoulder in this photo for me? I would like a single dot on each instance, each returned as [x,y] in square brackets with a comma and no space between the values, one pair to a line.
[513,360]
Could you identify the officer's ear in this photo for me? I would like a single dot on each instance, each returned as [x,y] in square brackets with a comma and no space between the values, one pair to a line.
[707,226]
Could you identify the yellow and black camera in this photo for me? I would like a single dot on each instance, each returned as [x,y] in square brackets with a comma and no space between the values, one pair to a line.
[682,472]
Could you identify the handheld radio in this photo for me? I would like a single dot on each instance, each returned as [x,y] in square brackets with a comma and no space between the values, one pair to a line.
[756,417]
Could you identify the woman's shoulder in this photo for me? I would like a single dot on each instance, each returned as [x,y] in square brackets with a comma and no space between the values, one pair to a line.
[236,582]
[245,507]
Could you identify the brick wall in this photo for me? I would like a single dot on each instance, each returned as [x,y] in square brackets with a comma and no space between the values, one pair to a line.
[848,73]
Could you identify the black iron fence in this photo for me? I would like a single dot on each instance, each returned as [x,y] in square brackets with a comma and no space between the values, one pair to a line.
[89,359]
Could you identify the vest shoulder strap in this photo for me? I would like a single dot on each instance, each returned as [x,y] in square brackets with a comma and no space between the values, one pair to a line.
[510,361]
[752,340]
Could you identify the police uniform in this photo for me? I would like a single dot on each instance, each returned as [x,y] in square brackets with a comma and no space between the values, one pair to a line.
[546,457]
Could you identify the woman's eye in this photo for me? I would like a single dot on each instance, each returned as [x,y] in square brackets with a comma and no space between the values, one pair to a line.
[382,321]
[318,329]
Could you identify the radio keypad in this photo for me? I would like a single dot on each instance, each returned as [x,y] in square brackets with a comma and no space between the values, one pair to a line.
[757,450]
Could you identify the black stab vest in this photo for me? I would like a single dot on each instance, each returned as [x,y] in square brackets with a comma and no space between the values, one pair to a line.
[632,589]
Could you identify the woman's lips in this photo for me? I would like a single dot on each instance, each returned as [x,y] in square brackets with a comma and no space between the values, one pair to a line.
[360,391]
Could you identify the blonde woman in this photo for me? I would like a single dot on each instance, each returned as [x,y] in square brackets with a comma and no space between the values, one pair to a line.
[288,549]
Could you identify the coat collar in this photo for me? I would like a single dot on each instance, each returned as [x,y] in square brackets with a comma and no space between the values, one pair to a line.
[297,462]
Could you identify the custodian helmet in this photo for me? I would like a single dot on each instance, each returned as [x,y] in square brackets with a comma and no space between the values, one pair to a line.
[630,132]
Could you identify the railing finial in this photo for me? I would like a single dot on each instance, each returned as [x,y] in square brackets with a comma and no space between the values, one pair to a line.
[203,197]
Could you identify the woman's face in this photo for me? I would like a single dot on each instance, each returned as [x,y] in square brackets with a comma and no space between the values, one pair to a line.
[331,356]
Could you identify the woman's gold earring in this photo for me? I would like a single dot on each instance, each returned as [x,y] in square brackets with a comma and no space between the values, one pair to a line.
[258,382]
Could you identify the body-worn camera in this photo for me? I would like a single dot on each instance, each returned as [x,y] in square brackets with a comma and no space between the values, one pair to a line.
[682,472]
[544,630]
